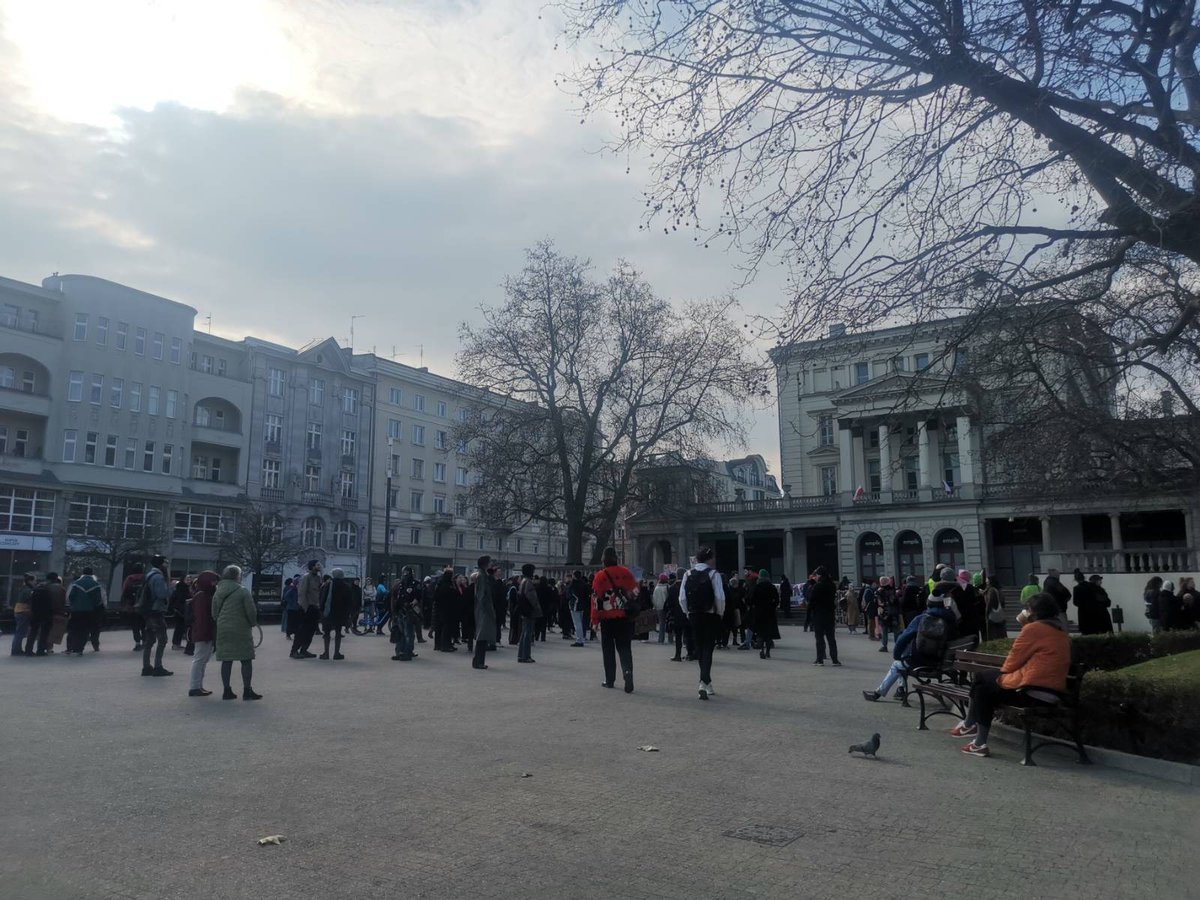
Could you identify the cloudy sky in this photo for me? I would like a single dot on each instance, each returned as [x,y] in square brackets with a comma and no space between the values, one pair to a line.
[284,164]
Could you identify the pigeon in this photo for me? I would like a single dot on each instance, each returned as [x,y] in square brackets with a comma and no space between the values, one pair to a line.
[867,748]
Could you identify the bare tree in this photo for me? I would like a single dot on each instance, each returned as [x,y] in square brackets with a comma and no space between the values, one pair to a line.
[930,158]
[260,539]
[601,375]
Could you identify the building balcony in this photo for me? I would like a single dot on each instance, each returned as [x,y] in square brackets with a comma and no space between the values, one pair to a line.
[441,520]
[1138,560]
[19,401]
[348,502]
[273,495]
[316,498]
[220,437]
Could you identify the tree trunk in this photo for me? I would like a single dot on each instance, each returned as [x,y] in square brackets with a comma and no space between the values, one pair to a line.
[574,540]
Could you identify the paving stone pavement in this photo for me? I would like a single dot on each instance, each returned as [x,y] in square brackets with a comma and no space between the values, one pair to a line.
[405,779]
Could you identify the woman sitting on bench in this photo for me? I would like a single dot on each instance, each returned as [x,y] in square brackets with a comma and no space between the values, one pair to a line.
[1040,658]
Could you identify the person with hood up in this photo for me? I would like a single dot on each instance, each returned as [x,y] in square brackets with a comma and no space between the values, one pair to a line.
[84,598]
[1092,602]
[203,630]
[1055,588]
[338,600]
[235,616]
[764,602]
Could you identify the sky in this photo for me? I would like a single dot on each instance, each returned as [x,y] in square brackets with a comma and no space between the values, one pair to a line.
[282,166]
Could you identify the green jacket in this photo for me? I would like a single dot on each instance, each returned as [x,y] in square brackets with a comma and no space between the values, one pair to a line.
[234,612]
[85,595]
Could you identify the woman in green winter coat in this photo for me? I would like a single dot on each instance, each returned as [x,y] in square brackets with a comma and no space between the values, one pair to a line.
[233,611]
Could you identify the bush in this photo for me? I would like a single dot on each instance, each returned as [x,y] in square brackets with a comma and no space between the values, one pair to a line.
[1152,708]
[1106,652]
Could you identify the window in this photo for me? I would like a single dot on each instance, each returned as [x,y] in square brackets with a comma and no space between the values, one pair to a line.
[415,501]
[110,451]
[96,392]
[912,473]
[312,438]
[460,507]
[460,541]
[395,466]
[395,396]
[950,470]
[20,441]
[28,382]
[460,476]
[31,319]
[157,345]
[70,437]
[439,473]
[139,341]
[3,439]
[441,408]
[8,377]
[437,538]
[102,331]
[418,468]
[75,386]
[270,474]
[272,428]
[122,335]
[419,402]
[874,480]
[461,449]
[393,499]
[152,400]
[439,440]
[81,326]
[200,466]
[872,438]
[345,536]
[350,400]
[168,458]
[131,453]
[312,532]
[206,364]
[312,478]
[316,391]
[920,362]
[462,415]
[172,401]
[221,366]
[176,350]
[346,485]
[498,544]
[394,428]
[94,515]
[414,535]
[862,372]
[829,480]
[439,503]
[825,431]
[148,457]
[518,545]
[26,511]
[201,524]
[419,435]
[349,438]
[135,397]
[962,360]
[89,447]
[275,382]
[10,315]
[116,394]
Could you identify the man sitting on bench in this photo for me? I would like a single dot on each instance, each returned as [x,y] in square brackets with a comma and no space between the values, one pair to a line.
[1040,658]
[922,643]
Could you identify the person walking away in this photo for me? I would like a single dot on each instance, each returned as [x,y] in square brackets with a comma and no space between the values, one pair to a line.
[785,597]
[153,607]
[1168,606]
[528,611]
[1150,597]
[1055,588]
[615,591]
[131,593]
[22,615]
[499,604]
[336,609]
[513,596]
[485,613]
[993,603]
[702,599]
[204,630]
[888,606]
[177,607]
[235,617]
[41,617]
[678,621]
[308,600]
[852,609]
[822,600]
[290,607]
[84,598]
[445,595]
[764,601]
[1040,658]
[578,600]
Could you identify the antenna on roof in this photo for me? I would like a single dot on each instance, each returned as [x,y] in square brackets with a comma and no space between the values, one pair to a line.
[421,348]
[208,320]
[352,318]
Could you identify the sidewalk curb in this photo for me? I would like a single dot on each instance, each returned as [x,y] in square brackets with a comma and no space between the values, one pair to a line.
[1162,769]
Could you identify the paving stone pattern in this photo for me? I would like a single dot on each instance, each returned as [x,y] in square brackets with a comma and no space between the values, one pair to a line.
[393,779]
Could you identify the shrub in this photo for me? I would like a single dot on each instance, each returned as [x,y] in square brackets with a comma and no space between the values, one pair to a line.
[1106,652]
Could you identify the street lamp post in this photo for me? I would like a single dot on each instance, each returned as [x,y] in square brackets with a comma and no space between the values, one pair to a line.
[387,515]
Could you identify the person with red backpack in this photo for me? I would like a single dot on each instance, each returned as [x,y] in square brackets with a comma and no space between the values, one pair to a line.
[702,599]
[615,607]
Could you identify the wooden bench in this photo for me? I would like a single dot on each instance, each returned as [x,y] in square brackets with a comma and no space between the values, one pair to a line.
[936,673]
[1032,704]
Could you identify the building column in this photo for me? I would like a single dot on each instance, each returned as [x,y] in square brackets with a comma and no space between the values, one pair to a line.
[741,538]
[966,450]
[885,458]
[1114,522]
[789,553]
[681,552]
[1189,529]
[1045,534]
[923,461]
[859,444]
[846,460]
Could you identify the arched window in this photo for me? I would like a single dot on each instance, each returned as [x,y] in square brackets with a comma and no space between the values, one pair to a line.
[910,555]
[870,556]
[312,532]
[948,549]
[345,535]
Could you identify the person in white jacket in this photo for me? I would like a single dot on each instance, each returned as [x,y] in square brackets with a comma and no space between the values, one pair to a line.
[659,599]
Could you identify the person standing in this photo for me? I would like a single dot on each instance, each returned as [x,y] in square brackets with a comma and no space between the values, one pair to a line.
[659,600]
[677,619]
[822,601]
[763,605]
[1092,602]
[513,596]
[1053,586]
[406,614]
[485,613]
[785,597]
[308,599]
[41,617]
[153,606]
[702,600]
[852,609]
[889,606]
[499,604]
[338,603]
[203,630]
[993,603]
[578,601]
[615,591]
[177,607]
[22,615]
[85,597]
[528,609]
[235,617]
[58,613]
[445,595]
[290,607]
[131,593]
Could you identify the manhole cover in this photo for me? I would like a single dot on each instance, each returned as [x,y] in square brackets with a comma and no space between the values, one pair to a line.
[771,835]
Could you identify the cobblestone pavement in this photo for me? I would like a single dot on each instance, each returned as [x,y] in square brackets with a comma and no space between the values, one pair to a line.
[406,779]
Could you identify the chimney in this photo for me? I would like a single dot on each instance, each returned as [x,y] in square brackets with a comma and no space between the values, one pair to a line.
[837,330]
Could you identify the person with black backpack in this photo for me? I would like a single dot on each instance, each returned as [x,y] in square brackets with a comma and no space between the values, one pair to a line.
[702,600]
[922,643]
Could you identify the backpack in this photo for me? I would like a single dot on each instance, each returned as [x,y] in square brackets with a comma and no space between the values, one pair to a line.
[145,601]
[701,598]
[930,643]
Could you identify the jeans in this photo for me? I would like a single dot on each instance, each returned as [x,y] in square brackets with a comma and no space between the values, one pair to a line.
[155,630]
[884,629]
[749,638]
[204,651]
[823,625]
[616,636]
[705,628]
[21,620]
[406,636]
[894,674]
[662,626]
[580,635]
[525,648]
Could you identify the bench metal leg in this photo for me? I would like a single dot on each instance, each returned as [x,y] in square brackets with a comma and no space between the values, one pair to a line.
[1077,736]
[922,726]
[1028,760]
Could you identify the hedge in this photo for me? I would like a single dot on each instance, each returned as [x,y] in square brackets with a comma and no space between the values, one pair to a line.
[1106,652]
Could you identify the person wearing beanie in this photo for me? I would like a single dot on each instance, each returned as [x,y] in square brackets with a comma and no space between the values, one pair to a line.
[338,601]
[308,599]
[914,649]
[529,608]
[764,602]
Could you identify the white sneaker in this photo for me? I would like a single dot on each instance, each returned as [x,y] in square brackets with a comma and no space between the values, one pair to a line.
[703,690]
[709,688]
